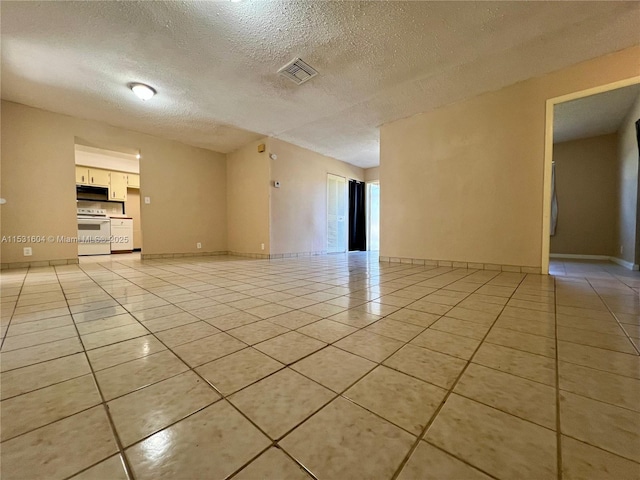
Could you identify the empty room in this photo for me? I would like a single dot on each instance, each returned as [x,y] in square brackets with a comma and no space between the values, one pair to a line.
[330,240]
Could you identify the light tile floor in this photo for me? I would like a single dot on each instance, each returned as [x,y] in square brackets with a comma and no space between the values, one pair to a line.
[333,367]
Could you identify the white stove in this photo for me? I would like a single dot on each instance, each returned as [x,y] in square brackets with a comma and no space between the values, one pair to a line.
[94,231]
[91,212]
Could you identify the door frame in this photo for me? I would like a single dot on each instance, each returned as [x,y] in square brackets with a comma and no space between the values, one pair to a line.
[548,155]
[346,202]
[368,214]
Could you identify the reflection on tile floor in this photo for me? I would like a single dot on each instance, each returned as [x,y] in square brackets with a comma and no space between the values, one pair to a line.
[332,367]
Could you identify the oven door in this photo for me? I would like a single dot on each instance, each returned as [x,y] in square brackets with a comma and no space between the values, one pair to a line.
[94,236]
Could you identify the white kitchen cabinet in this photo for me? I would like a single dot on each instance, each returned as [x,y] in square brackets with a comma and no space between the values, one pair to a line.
[121,235]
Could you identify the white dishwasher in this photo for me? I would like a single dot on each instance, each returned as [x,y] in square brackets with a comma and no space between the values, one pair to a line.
[121,235]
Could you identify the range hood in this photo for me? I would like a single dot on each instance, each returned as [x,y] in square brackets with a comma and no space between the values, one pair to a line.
[86,192]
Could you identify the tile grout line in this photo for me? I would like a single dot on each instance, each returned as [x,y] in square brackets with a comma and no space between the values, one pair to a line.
[118,454]
[260,319]
[46,329]
[140,322]
[37,344]
[52,421]
[611,312]
[24,279]
[153,383]
[273,443]
[222,397]
[448,394]
[558,420]
[119,445]
[559,471]
[343,391]
[429,383]
[590,367]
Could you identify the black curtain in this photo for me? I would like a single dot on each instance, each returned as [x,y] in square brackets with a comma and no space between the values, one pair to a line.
[357,224]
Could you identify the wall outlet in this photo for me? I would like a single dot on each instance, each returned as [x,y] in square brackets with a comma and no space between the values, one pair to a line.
[147,200]
[262,246]
[198,245]
[27,251]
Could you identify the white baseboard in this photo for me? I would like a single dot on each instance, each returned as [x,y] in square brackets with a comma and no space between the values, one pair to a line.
[619,261]
[579,257]
[624,263]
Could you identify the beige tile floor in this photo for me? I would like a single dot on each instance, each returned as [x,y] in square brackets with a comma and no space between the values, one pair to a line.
[333,367]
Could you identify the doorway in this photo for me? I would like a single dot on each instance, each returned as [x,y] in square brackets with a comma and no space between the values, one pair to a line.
[357,216]
[336,214]
[108,201]
[591,177]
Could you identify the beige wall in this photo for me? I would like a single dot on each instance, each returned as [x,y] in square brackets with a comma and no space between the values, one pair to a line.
[186,184]
[248,199]
[299,206]
[372,174]
[627,167]
[465,182]
[586,187]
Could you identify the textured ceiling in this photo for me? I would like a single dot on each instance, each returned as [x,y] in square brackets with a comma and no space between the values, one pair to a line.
[214,63]
[594,115]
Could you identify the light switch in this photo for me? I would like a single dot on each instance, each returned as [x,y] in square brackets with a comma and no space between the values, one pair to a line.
[147,200]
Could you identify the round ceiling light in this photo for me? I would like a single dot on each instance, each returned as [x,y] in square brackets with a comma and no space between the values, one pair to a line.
[142,91]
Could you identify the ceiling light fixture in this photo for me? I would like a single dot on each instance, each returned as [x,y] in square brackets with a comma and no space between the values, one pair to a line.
[142,91]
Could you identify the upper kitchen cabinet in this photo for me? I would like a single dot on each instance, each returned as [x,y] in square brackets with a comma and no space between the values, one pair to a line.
[118,186]
[99,177]
[133,180]
[116,182]
[92,176]
[82,175]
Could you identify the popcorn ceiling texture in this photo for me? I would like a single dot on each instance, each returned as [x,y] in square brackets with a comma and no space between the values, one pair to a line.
[595,115]
[214,63]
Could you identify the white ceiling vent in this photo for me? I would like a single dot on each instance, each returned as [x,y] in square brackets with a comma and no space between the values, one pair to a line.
[298,71]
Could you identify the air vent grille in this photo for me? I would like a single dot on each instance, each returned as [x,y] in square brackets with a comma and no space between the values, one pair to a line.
[298,71]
